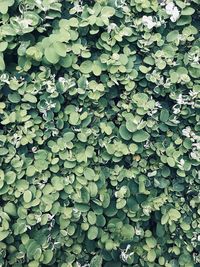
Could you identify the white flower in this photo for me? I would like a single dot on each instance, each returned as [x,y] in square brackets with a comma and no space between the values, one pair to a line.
[78,7]
[196,145]
[187,131]
[193,94]
[120,3]
[61,79]
[169,8]
[162,2]
[175,120]
[176,110]
[181,162]
[173,11]
[111,27]
[34,149]
[151,174]
[4,78]
[158,104]
[124,253]
[180,100]
[195,155]
[25,23]
[138,231]
[175,15]
[148,22]
[147,210]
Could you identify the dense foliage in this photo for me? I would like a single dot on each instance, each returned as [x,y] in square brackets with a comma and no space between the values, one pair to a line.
[99,133]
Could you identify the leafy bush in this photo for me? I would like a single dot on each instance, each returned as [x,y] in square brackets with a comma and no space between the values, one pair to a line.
[99,137]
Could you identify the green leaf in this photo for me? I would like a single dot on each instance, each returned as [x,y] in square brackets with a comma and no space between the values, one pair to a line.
[86,67]
[96,68]
[66,61]
[127,232]
[60,48]
[188,11]
[14,97]
[3,235]
[133,148]
[51,55]
[30,171]
[2,63]
[144,69]
[10,177]
[89,174]
[48,256]
[171,162]
[3,46]
[184,20]
[174,214]
[92,233]
[140,136]
[121,203]
[172,36]
[41,165]
[107,11]
[5,4]
[74,118]
[124,133]
[69,136]
[32,248]
[10,209]
[151,242]
[96,261]
[30,98]
[131,126]
[164,115]
[161,64]
[151,255]
[27,196]
[140,98]
[91,217]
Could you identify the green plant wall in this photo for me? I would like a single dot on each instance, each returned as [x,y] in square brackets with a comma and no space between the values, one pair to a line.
[99,133]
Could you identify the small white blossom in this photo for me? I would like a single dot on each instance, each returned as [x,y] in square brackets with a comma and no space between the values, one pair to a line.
[158,105]
[120,3]
[193,94]
[147,144]
[111,27]
[196,145]
[175,120]
[61,80]
[151,174]
[138,231]
[78,7]
[180,99]
[75,210]
[196,257]
[162,2]
[24,23]
[195,155]
[148,22]
[169,8]
[124,253]
[34,149]
[4,78]
[187,131]
[173,11]
[181,163]
[147,210]
[176,110]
